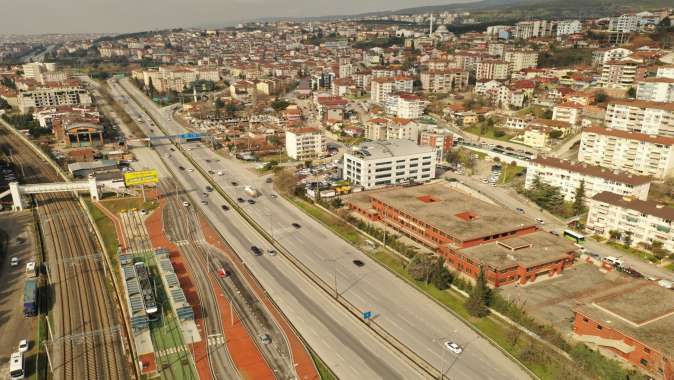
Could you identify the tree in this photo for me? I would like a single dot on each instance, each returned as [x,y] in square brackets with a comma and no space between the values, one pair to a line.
[150,88]
[600,97]
[632,92]
[615,235]
[421,267]
[555,134]
[478,301]
[219,103]
[627,239]
[579,202]
[279,104]
[441,278]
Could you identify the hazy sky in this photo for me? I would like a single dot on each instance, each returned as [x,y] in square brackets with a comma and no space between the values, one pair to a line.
[82,16]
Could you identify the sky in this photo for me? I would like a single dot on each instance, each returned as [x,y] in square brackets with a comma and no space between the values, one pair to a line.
[108,16]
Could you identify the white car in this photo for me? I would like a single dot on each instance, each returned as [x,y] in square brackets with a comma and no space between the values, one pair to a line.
[190,170]
[23,345]
[220,172]
[186,204]
[540,221]
[455,348]
[14,261]
[614,261]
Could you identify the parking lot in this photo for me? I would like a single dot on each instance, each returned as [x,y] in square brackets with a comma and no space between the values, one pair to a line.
[17,241]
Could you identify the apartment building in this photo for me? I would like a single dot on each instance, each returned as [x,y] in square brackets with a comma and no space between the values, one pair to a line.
[567,176]
[651,118]
[626,23]
[633,152]
[658,89]
[619,74]
[645,221]
[382,163]
[568,112]
[382,86]
[492,69]
[567,27]
[405,105]
[665,72]
[305,143]
[534,29]
[520,59]
[441,141]
[53,96]
[446,80]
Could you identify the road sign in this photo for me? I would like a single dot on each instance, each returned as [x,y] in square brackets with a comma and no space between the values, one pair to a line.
[190,136]
[367,315]
[141,177]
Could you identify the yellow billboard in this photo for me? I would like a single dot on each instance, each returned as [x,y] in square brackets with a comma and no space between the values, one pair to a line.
[141,177]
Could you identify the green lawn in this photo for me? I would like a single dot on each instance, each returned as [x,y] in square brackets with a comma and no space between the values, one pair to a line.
[107,229]
[670,266]
[488,133]
[634,252]
[345,230]
[117,205]
[323,371]
[510,172]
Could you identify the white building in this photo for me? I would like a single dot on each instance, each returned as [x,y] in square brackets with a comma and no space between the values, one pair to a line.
[382,86]
[567,176]
[446,80]
[492,69]
[382,163]
[520,59]
[40,97]
[626,23]
[619,74]
[405,105]
[305,143]
[656,89]
[651,118]
[633,152]
[665,72]
[533,29]
[567,27]
[568,112]
[644,221]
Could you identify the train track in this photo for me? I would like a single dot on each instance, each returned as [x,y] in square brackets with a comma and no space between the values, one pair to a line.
[183,224]
[86,337]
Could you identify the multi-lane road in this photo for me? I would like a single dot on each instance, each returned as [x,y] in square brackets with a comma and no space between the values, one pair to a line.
[416,321]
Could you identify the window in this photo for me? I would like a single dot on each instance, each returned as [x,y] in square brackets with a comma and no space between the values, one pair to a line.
[647,350]
[644,362]
[600,327]
[585,320]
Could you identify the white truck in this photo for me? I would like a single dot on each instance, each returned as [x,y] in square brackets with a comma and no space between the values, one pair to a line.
[250,190]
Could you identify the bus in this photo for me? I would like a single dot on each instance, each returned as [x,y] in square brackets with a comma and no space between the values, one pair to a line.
[16,370]
[30,298]
[575,236]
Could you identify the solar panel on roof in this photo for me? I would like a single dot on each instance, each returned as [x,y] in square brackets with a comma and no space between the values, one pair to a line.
[132,287]
[178,296]
[172,280]
[136,304]
[185,313]
[129,272]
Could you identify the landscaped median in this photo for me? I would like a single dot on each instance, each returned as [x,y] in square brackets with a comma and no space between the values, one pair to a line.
[553,358]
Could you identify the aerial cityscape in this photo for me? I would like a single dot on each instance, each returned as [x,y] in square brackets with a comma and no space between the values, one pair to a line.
[356,190]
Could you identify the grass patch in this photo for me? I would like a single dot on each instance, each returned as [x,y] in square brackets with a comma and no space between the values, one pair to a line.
[634,252]
[490,133]
[108,232]
[324,371]
[670,267]
[510,172]
[118,205]
[121,113]
[341,228]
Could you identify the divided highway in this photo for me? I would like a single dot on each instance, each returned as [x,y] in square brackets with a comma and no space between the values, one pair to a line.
[412,318]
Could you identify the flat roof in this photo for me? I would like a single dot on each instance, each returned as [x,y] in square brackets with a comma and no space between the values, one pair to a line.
[452,212]
[375,150]
[593,170]
[644,207]
[527,251]
[644,313]
[654,139]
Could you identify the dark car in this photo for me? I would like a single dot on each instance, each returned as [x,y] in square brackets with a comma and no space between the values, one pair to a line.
[257,251]
[269,180]
[240,200]
[296,225]
[225,207]
[181,167]
[172,150]
[211,172]
[250,201]
[209,189]
[358,263]
[235,183]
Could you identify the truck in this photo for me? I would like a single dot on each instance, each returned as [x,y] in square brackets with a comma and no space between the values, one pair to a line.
[250,190]
[30,298]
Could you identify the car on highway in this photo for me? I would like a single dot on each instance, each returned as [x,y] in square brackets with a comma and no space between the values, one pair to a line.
[186,204]
[540,221]
[190,170]
[240,200]
[358,263]
[181,167]
[234,183]
[453,347]
[220,172]
[172,149]
[204,195]
[23,345]
[271,252]
[257,251]
[296,225]
[251,202]
[204,202]
[14,261]
[209,189]
[269,180]
[520,210]
[211,172]
[225,208]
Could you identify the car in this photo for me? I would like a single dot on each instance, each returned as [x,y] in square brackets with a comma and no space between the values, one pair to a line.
[204,202]
[30,269]
[265,339]
[274,196]
[220,172]
[225,207]
[23,345]
[181,167]
[485,180]
[554,233]
[453,347]
[614,261]
[172,150]
[222,273]
[520,210]
[207,160]
[296,225]
[272,252]
[143,211]
[269,180]
[211,172]
[186,204]
[240,200]
[209,189]
[190,170]
[204,195]
[257,251]
[14,261]
[358,263]
[540,221]
[251,202]
[234,183]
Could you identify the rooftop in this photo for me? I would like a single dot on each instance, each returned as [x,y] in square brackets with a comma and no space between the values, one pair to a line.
[376,150]
[644,207]
[452,212]
[654,139]
[592,170]
[526,251]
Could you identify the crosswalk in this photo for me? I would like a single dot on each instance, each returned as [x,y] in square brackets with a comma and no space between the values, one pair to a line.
[216,340]
[172,350]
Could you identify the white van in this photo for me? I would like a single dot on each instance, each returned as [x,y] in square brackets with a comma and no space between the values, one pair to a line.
[616,262]
[30,269]
[16,370]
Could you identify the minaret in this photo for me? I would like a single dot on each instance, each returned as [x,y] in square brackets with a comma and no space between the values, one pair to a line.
[430,27]
[194,93]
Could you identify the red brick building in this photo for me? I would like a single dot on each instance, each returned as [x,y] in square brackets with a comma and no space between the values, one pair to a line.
[469,232]
[636,325]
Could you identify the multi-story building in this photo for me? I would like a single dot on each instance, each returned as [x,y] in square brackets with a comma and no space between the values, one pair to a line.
[626,23]
[305,143]
[534,29]
[520,59]
[567,27]
[665,72]
[643,221]
[619,74]
[651,118]
[536,137]
[446,80]
[658,89]
[383,163]
[53,96]
[382,86]
[489,69]
[405,105]
[567,176]
[633,152]
[441,141]
[568,112]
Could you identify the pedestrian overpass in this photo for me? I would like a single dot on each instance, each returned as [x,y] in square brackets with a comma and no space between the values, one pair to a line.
[17,191]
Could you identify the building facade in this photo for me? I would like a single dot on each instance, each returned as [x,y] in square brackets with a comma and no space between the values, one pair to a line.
[305,143]
[651,118]
[53,96]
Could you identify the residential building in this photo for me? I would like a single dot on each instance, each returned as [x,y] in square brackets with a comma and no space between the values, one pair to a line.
[619,74]
[625,23]
[520,59]
[651,118]
[405,105]
[665,72]
[658,89]
[489,69]
[383,163]
[568,112]
[61,94]
[567,27]
[515,123]
[568,175]
[382,86]
[536,137]
[441,141]
[635,324]
[644,221]
[305,143]
[447,80]
[534,29]
[633,152]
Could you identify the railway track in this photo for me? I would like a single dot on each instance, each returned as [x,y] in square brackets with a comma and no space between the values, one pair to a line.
[183,224]
[86,337]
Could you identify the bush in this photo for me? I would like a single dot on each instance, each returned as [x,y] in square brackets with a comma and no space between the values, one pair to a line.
[498,133]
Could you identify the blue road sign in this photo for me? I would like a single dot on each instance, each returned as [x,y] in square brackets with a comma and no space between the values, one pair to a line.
[367,314]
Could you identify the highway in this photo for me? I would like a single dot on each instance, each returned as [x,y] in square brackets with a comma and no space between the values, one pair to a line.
[344,343]
[418,322]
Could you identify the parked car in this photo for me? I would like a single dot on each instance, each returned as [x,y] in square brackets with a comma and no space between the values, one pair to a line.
[540,221]
[186,204]
[257,251]
[23,345]
[614,261]
[265,339]
[453,347]
[358,263]
[14,261]
[296,225]
[225,207]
